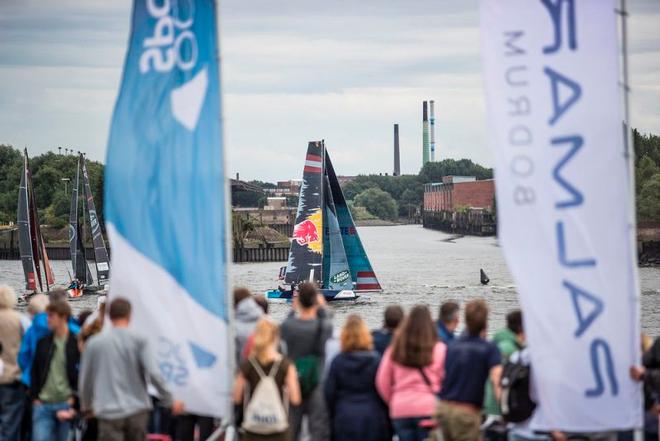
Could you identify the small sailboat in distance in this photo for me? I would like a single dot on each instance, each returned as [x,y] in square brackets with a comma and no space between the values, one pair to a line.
[484,277]
[36,266]
[325,248]
[82,276]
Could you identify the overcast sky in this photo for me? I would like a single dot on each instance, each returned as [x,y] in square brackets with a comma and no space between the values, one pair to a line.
[293,71]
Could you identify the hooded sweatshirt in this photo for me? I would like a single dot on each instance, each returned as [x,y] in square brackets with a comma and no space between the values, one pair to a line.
[36,332]
[356,409]
[246,316]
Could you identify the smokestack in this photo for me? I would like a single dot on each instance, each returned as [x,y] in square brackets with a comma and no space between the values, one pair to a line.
[425,134]
[432,132]
[397,157]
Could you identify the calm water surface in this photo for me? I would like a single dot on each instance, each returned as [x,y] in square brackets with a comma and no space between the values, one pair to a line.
[414,265]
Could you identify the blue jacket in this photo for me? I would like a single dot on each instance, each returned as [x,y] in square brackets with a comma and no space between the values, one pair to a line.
[36,332]
[443,333]
[382,339]
[355,408]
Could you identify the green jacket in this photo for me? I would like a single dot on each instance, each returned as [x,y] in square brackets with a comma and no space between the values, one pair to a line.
[506,342]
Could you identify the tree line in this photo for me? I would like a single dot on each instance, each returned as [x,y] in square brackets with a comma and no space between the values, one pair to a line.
[53,175]
[383,196]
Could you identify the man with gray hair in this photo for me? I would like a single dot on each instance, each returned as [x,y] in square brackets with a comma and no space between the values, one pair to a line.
[12,393]
[448,321]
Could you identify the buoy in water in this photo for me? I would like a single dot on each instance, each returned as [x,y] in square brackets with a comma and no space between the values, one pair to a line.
[484,277]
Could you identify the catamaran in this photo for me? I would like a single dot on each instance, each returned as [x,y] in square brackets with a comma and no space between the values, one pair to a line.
[325,248]
[36,266]
[83,280]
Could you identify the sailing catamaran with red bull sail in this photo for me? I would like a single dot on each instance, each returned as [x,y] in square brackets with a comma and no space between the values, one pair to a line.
[325,247]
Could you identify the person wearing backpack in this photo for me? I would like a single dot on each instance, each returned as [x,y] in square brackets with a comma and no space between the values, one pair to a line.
[356,410]
[267,383]
[509,340]
[305,333]
[411,374]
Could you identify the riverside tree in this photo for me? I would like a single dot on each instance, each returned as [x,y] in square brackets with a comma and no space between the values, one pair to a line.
[379,203]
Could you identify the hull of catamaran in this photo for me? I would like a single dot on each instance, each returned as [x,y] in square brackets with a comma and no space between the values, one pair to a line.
[329,294]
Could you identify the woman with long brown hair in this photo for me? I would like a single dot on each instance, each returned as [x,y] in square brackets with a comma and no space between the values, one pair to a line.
[411,372]
[266,361]
[356,410]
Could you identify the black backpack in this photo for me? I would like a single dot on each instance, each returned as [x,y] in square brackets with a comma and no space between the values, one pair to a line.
[515,402]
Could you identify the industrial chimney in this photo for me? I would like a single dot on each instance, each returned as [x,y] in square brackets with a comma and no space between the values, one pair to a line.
[397,156]
[425,134]
[432,131]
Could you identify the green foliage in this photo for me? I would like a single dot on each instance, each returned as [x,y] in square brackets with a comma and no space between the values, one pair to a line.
[359,213]
[648,201]
[408,190]
[647,175]
[48,171]
[434,171]
[243,198]
[378,202]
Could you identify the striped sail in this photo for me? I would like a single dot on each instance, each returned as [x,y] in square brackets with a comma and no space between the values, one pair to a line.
[306,253]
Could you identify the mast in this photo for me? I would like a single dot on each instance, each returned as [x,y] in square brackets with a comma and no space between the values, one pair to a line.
[100,251]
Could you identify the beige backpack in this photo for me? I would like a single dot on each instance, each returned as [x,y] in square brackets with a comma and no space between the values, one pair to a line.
[265,412]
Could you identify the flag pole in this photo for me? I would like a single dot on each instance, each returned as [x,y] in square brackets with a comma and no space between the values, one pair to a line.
[629,155]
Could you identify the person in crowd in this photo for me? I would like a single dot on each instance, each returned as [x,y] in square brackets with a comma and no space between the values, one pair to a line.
[89,427]
[383,337]
[262,301]
[37,305]
[12,392]
[246,315]
[83,316]
[266,360]
[471,360]
[39,329]
[649,374]
[355,408]
[54,377]
[305,332]
[448,321]
[508,341]
[115,369]
[411,374]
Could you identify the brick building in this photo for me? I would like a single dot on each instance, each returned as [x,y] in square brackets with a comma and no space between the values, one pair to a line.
[460,204]
[455,192]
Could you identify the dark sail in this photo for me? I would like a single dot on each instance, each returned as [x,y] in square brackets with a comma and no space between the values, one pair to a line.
[100,252]
[361,270]
[78,261]
[25,243]
[38,244]
[336,272]
[306,253]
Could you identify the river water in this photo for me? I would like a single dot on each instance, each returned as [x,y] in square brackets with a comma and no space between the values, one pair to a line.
[414,265]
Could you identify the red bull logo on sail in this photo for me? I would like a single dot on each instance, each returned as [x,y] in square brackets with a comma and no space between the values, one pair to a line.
[305,232]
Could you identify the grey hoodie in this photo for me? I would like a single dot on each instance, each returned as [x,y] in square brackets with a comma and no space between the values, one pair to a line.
[246,316]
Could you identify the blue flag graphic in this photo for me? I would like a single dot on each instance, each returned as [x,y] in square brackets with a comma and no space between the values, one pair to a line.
[165,196]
